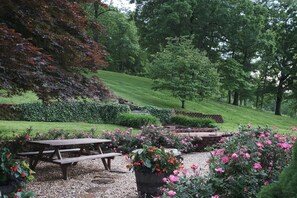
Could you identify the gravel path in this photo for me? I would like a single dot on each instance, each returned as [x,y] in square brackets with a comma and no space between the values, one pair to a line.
[87,181]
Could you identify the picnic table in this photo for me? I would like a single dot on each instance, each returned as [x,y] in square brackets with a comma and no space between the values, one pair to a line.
[53,151]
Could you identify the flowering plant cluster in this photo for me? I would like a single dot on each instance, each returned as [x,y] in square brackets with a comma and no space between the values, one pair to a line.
[151,159]
[13,173]
[240,165]
[187,184]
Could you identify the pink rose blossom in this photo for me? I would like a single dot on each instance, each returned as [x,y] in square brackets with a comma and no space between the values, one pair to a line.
[234,156]
[165,180]
[268,142]
[259,144]
[173,178]
[185,171]
[225,159]
[249,125]
[293,128]
[215,196]
[246,155]
[184,142]
[257,166]
[171,193]
[266,183]
[194,167]
[176,172]
[219,170]
[286,146]
[262,136]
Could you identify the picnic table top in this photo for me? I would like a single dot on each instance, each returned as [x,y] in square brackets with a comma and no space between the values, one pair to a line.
[68,142]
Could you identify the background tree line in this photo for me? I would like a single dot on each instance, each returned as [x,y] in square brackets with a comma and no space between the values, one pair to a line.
[250,44]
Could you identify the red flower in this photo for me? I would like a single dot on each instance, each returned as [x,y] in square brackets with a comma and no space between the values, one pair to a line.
[23,175]
[51,67]
[8,155]
[14,168]
[150,150]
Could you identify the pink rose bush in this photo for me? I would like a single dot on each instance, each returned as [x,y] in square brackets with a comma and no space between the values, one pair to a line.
[238,166]
[252,158]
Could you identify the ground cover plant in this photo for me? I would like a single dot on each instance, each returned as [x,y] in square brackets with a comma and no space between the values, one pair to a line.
[239,166]
[193,122]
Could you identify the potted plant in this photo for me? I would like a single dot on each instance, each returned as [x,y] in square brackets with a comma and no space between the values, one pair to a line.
[13,175]
[151,165]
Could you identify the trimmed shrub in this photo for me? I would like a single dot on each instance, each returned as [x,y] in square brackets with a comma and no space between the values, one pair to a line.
[163,114]
[72,112]
[192,122]
[137,120]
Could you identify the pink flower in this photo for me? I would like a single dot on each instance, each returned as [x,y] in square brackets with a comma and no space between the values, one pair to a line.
[173,178]
[225,159]
[259,144]
[234,156]
[246,155]
[219,170]
[266,183]
[286,146]
[171,193]
[51,67]
[268,142]
[184,142]
[262,136]
[176,172]
[194,167]
[215,196]
[249,125]
[165,180]
[185,171]
[257,166]
[293,128]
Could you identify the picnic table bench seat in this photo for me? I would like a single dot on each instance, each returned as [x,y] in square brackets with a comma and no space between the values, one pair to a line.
[66,162]
[32,153]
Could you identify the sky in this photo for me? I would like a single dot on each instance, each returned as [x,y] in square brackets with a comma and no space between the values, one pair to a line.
[121,4]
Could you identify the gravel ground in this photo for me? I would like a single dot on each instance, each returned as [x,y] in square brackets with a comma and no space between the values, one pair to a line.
[89,179]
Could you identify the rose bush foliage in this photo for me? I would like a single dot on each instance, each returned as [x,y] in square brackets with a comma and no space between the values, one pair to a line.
[239,165]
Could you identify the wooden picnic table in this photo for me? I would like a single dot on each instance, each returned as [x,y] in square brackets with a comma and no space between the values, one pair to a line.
[52,150]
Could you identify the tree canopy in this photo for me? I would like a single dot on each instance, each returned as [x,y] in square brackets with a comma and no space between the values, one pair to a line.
[183,70]
[44,48]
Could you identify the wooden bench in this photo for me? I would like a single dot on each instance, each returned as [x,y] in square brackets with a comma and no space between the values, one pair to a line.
[66,162]
[32,153]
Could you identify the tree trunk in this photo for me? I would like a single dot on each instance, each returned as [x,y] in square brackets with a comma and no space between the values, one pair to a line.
[236,97]
[183,104]
[257,101]
[229,97]
[279,98]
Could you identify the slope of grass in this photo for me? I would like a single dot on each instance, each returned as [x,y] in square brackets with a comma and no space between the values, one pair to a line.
[138,90]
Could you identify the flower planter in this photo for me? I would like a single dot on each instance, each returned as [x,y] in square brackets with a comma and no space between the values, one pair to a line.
[148,184]
[8,187]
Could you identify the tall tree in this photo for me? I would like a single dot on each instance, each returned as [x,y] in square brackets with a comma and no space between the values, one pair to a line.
[120,38]
[44,48]
[283,25]
[183,70]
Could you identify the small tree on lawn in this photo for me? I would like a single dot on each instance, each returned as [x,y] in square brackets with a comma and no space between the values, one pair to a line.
[183,70]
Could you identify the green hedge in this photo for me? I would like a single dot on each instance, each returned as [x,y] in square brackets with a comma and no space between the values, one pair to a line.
[137,120]
[163,114]
[192,122]
[72,112]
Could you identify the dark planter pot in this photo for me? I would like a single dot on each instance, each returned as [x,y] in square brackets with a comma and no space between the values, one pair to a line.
[9,187]
[148,184]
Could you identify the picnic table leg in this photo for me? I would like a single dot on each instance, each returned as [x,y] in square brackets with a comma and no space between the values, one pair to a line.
[97,146]
[34,160]
[64,171]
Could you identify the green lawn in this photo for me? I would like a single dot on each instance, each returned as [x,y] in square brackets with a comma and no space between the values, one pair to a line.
[7,128]
[138,90]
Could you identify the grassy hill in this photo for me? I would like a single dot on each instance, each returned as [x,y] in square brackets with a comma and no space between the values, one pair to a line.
[138,90]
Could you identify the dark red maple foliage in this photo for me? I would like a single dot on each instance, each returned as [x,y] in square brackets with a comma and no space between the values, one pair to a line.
[44,48]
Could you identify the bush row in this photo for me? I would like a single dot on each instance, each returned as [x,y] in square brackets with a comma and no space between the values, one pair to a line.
[192,122]
[122,141]
[137,120]
[72,111]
